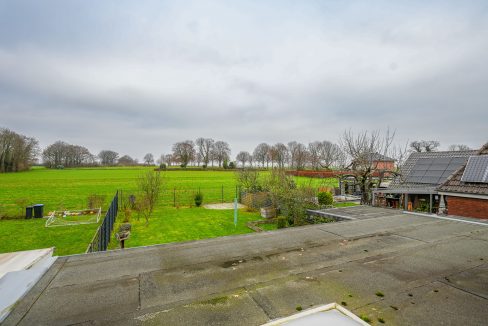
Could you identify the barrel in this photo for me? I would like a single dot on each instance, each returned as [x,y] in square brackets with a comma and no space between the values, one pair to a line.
[38,211]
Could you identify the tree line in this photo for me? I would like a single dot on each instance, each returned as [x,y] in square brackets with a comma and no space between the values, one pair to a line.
[18,152]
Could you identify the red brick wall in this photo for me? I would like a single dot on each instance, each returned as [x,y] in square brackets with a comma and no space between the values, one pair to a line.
[467,207]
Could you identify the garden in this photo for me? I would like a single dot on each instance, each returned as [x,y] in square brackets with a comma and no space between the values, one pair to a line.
[175,216]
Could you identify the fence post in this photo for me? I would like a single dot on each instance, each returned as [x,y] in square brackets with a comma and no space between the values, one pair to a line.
[222,193]
[174,197]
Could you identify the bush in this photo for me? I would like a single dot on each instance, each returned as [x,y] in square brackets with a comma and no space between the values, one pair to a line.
[225,165]
[325,198]
[198,199]
[281,222]
[60,167]
[162,166]
[183,165]
[204,166]
[232,165]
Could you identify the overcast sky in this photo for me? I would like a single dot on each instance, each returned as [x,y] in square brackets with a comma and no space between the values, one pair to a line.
[137,76]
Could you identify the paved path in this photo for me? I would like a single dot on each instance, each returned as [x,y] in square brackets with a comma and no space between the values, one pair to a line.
[431,272]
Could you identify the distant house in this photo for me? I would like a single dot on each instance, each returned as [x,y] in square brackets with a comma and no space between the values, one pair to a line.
[415,188]
[466,191]
[377,161]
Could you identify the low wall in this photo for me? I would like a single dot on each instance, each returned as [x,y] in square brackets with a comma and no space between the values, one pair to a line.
[467,207]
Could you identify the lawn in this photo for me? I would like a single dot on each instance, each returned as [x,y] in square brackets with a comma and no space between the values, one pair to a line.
[16,235]
[182,224]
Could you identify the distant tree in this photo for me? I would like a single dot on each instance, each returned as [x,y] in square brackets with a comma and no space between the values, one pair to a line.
[148,159]
[458,147]
[66,155]
[108,157]
[280,153]
[184,152]
[199,159]
[424,145]
[314,150]
[126,160]
[221,152]
[329,154]
[261,154]
[149,185]
[205,147]
[17,152]
[243,157]
[298,155]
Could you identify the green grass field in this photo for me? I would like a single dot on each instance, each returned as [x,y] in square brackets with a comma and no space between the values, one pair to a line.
[182,224]
[69,189]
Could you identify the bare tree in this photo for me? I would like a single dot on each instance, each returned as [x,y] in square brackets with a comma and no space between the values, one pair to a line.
[67,155]
[280,154]
[314,150]
[148,159]
[361,149]
[298,155]
[108,157]
[458,147]
[243,157]
[329,154]
[17,152]
[184,152]
[205,147]
[126,160]
[221,152]
[149,185]
[261,153]
[424,145]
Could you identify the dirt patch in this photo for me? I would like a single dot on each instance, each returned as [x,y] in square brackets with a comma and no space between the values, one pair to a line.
[223,206]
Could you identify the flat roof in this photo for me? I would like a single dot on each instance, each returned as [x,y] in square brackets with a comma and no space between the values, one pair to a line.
[405,269]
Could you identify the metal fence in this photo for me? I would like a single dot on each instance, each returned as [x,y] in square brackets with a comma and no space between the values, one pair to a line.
[185,197]
[101,239]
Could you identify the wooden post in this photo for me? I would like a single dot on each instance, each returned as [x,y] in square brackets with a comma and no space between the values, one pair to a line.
[430,204]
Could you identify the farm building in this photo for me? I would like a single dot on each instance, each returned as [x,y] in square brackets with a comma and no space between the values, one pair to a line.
[415,188]
[466,191]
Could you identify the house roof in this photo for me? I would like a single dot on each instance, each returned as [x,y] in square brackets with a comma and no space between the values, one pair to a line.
[454,183]
[381,158]
[410,167]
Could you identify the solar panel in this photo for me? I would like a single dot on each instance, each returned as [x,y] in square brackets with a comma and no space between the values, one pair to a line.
[434,170]
[476,170]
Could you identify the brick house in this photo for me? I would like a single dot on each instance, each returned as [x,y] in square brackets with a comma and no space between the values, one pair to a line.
[466,191]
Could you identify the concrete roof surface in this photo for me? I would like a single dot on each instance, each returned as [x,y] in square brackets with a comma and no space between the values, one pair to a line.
[405,269]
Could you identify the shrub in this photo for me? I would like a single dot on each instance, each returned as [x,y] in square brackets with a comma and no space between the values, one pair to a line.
[162,166]
[232,165]
[281,222]
[60,167]
[204,166]
[183,165]
[325,198]
[225,165]
[198,199]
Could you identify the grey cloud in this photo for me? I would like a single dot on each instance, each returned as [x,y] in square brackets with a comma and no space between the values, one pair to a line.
[137,78]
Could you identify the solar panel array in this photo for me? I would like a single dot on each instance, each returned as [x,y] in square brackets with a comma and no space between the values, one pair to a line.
[476,170]
[434,170]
